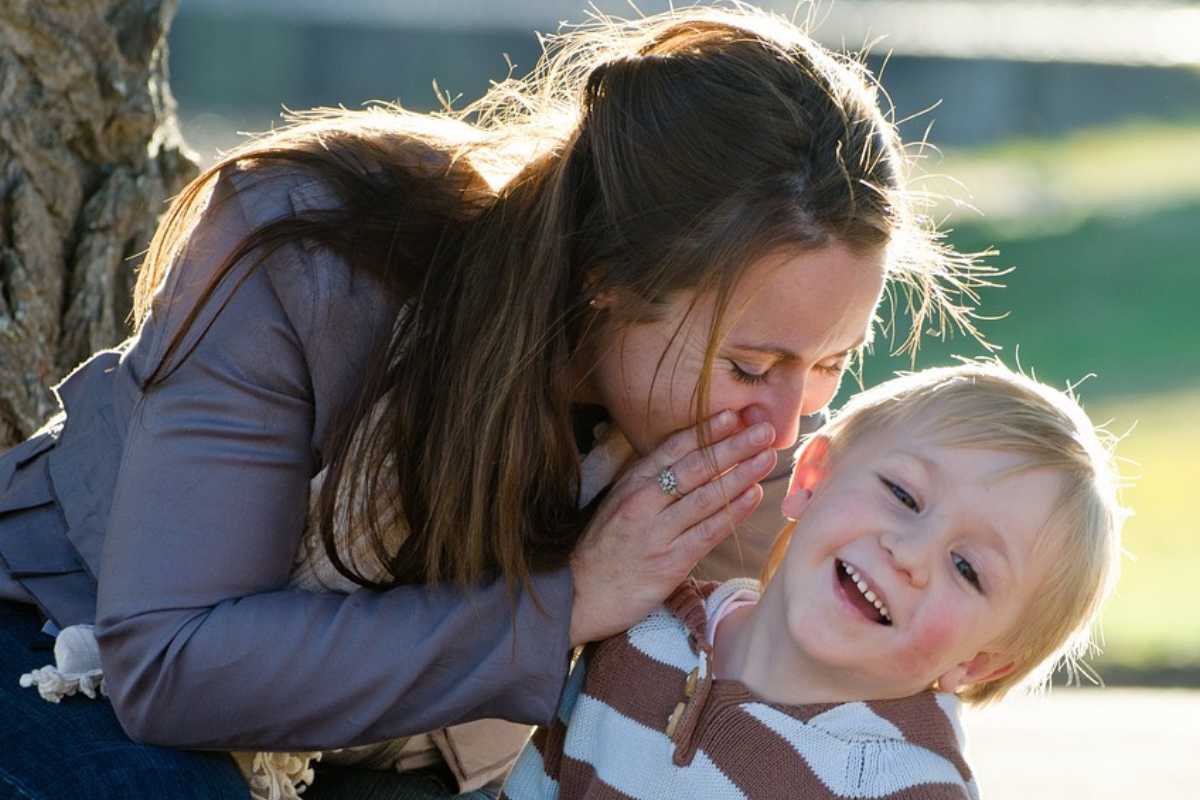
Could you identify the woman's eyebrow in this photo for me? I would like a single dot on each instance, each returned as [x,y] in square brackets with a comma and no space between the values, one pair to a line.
[785,354]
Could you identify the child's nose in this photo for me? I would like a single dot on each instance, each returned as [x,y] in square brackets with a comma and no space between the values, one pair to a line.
[908,554]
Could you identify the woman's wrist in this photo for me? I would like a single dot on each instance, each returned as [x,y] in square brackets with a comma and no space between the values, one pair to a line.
[580,627]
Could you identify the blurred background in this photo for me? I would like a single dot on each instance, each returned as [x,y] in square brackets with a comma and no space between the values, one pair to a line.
[1069,133]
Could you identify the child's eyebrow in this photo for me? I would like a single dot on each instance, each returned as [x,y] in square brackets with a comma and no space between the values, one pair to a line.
[785,354]
[929,468]
[1000,544]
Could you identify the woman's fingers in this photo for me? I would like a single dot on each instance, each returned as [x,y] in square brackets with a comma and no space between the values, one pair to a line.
[681,443]
[697,467]
[643,541]
[714,498]
[700,466]
[696,542]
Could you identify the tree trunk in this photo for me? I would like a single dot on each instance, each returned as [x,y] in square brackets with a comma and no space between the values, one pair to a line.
[89,153]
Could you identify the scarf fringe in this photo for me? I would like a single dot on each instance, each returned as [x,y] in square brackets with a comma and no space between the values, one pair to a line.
[277,776]
[76,667]
[53,685]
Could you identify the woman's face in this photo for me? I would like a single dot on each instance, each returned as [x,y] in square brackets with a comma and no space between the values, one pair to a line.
[791,325]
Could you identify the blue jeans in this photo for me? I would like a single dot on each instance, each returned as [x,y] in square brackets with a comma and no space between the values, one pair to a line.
[76,749]
[348,783]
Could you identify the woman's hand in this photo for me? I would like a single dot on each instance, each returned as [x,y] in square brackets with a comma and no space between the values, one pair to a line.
[643,542]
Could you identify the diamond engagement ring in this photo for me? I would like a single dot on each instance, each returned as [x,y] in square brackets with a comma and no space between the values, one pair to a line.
[668,482]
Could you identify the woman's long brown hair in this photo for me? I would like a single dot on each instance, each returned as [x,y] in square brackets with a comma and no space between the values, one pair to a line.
[639,159]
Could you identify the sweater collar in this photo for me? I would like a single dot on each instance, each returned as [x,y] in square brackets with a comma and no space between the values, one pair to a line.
[928,719]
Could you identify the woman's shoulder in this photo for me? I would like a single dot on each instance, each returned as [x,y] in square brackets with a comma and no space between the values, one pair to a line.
[318,288]
[266,193]
[335,314]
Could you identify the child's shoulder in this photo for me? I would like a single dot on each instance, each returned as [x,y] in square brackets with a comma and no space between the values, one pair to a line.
[687,603]
[674,632]
[694,602]
[680,624]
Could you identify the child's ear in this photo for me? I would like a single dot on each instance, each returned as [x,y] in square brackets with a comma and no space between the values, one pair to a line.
[983,667]
[807,474]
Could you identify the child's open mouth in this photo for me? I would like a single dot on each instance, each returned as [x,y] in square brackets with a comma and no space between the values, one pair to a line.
[860,594]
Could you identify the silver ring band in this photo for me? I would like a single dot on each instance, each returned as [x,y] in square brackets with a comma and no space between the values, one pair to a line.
[668,482]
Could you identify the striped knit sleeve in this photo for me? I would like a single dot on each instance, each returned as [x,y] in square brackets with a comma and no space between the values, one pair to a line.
[535,775]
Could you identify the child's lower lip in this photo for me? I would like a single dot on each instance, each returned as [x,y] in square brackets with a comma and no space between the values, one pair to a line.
[849,604]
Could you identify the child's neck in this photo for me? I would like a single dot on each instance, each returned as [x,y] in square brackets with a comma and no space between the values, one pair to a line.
[730,647]
[747,648]
[743,653]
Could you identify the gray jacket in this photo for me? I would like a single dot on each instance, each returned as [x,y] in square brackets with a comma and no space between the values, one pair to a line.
[171,518]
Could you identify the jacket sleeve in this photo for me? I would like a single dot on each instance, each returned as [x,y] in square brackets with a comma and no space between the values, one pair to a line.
[202,644]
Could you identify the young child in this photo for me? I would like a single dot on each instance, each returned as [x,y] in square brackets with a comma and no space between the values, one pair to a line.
[954,533]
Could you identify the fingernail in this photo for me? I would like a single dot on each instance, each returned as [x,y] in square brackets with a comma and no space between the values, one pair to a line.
[761,433]
[761,459]
[726,418]
[752,414]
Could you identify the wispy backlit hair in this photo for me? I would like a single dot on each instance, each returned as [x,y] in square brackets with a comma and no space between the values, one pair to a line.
[639,159]
[983,404]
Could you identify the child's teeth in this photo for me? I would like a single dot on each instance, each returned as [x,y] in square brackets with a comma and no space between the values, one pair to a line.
[866,590]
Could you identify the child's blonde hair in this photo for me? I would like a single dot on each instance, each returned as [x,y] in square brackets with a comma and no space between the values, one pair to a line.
[986,405]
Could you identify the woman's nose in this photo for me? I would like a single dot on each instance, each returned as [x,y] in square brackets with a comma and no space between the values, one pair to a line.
[786,409]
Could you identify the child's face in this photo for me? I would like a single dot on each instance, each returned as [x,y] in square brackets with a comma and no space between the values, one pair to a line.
[943,540]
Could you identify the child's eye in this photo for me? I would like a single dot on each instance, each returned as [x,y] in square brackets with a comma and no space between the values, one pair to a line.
[745,376]
[967,571]
[900,494]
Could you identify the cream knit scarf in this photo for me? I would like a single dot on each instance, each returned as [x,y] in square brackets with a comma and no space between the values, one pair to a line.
[282,776]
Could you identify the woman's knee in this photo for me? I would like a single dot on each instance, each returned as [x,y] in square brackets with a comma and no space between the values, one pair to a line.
[124,773]
[77,749]
[142,771]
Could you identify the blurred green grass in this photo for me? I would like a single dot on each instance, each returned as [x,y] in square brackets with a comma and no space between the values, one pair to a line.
[1033,183]
[1106,286]
[1149,622]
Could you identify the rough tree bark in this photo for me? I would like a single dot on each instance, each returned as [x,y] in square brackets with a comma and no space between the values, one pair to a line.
[89,152]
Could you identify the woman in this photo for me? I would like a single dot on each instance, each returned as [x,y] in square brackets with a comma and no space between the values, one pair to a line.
[690,214]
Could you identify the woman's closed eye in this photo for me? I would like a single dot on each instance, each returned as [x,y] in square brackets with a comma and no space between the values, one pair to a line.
[902,495]
[754,374]
[967,571]
[749,374]
[833,368]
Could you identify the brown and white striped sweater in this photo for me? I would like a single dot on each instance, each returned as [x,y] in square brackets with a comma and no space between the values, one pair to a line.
[642,717]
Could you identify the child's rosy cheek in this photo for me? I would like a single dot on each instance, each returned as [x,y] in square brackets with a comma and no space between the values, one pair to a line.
[929,646]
